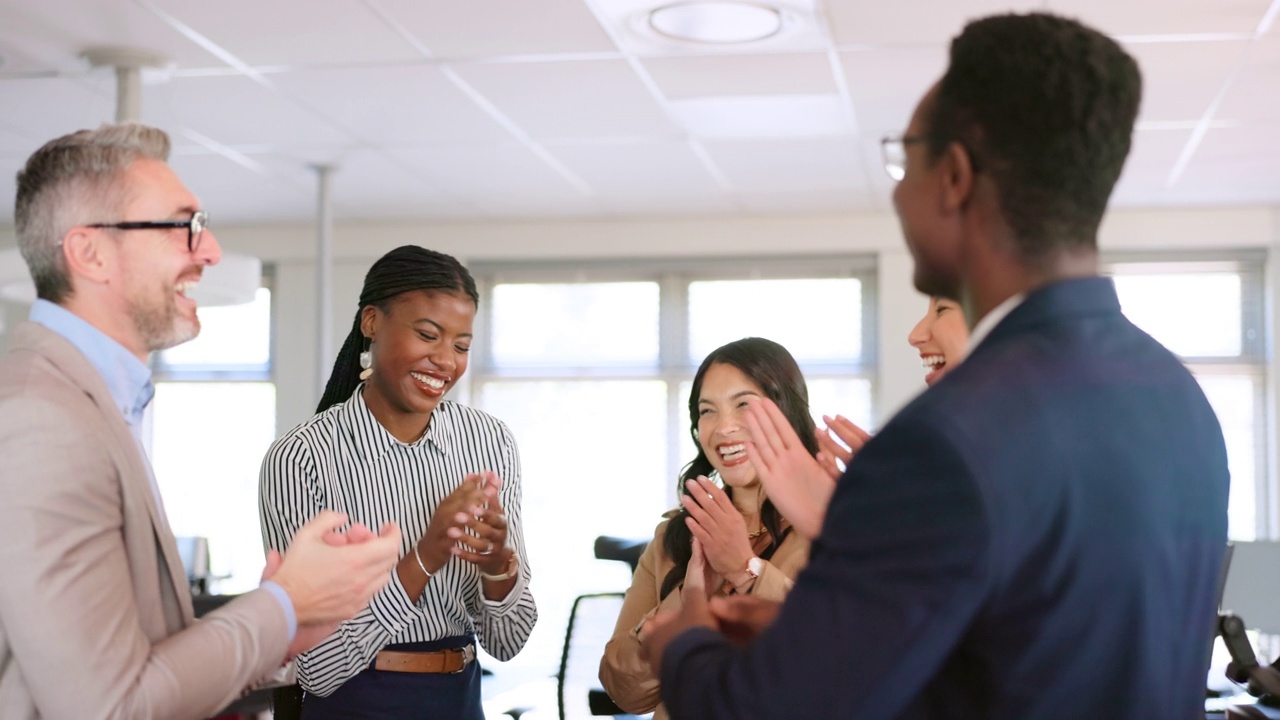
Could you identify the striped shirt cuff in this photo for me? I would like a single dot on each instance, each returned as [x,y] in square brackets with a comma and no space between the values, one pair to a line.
[392,608]
[500,607]
[286,604]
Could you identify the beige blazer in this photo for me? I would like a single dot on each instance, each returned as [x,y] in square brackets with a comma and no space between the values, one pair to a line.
[625,674]
[95,615]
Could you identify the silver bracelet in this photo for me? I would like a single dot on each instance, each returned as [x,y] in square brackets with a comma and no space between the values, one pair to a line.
[418,557]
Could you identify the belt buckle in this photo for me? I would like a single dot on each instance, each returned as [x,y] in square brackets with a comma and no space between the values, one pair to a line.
[468,655]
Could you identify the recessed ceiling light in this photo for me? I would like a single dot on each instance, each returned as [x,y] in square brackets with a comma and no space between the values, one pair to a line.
[718,22]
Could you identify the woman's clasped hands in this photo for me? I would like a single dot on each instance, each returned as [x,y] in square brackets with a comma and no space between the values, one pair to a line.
[469,524]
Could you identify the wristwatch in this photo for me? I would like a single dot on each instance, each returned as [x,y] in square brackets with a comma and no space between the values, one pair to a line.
[755,566]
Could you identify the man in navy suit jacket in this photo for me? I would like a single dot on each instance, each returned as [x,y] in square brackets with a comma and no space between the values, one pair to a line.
[1040,534]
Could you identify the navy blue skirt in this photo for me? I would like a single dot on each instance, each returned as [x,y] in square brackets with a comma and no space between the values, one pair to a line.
[379,695]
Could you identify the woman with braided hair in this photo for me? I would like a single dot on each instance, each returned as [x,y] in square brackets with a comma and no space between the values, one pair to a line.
[385,446]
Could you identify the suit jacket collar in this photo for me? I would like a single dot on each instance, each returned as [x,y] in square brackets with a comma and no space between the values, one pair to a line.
[67,360]
[1064,300]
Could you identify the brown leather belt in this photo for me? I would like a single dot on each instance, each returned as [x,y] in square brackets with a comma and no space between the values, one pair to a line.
[439,661]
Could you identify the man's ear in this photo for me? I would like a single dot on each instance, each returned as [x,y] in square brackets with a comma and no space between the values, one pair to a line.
[87,255]
[957,177]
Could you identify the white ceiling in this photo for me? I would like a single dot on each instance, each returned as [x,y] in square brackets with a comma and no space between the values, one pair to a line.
[458,109]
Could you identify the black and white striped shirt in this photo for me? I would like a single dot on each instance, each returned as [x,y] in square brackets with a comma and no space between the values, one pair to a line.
[344,460]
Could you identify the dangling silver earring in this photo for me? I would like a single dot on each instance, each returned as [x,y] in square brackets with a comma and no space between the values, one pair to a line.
[366,362]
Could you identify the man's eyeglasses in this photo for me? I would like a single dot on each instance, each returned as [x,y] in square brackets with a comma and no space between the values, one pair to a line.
[894,151]
[195,227]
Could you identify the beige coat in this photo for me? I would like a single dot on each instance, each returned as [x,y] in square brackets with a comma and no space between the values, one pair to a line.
[624,672]
[95,614]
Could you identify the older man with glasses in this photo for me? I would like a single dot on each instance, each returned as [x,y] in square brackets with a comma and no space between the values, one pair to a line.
[95,614]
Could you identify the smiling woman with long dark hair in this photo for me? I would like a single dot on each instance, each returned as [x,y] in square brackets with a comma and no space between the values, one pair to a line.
[747,546]
[386,446]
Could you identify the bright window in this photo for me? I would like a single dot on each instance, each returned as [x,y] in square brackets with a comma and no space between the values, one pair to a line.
[212,420]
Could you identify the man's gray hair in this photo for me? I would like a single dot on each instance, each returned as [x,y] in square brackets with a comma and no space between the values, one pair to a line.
[76,180]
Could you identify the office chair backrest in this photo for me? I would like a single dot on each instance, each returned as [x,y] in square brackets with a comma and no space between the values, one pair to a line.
[591,624]
[627,550]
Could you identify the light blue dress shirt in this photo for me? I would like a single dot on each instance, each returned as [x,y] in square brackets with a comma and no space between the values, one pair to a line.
[129,382]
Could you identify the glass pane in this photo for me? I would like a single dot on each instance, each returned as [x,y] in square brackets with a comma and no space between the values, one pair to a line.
[575,324]
[1192,314]
[1233,398]
[594,462]
[850,397]
[815,319]
[215,494]
[229,335]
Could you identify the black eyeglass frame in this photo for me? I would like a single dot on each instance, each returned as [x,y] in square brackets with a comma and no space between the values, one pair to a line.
[195,226]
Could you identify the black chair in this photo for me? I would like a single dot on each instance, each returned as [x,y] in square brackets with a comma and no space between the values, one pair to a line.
[591,622]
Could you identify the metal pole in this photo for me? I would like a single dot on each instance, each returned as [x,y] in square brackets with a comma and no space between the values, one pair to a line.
[324,281]
[128,94]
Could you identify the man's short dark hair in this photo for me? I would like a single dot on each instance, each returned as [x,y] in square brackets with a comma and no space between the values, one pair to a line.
[1045,105]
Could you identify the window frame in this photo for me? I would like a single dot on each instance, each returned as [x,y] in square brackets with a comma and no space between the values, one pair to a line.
[674,365]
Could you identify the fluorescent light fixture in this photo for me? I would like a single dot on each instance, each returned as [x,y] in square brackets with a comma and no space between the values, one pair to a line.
[716,22]
[763,116]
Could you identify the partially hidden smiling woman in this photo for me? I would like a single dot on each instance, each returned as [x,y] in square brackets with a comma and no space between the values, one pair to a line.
[734,534]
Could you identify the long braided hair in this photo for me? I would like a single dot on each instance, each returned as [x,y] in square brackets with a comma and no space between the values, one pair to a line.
[770,366]
[405,269]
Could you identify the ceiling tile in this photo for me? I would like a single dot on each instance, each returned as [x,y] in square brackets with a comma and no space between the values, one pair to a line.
[794,165]
[479,174]
[43,109]
[791,203]
[394,105]
[1152,157]
[587,99]
[712,75]
[55,32]
[517,207]
[887,83]
[235,110]
[1180,80]
[293,32]
[482,28]
[764,116]
[634,204]
[234,194]
[370,184]
[922,22]
[1165,17]
[643,168]
[1254,97]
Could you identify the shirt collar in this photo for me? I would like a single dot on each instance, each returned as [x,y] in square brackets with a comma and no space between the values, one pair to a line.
[373,441]
[128,379]
[993,318]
